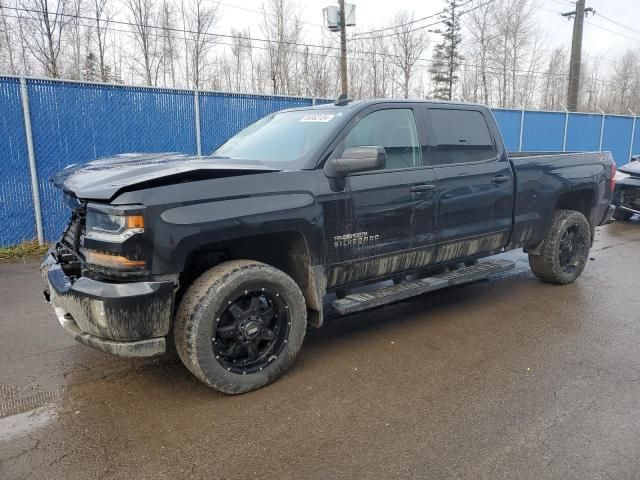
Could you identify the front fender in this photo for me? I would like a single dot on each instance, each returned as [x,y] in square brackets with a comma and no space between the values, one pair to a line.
[184,229]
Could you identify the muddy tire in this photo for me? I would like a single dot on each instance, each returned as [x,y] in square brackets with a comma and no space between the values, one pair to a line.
[565,250]
[622,215]
[240,325]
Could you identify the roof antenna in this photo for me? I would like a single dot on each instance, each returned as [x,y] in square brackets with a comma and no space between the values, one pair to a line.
[342,100]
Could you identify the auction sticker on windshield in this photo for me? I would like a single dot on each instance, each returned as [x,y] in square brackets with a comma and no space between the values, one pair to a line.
[317,118]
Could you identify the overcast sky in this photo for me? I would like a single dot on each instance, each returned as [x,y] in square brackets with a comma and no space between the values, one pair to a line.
[602,36]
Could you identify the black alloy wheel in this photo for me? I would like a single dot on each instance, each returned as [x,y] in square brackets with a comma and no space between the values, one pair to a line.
[564,252]
[252,331]
[240,325]
[572,249]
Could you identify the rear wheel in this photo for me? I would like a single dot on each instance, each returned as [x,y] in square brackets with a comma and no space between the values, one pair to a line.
[240,325]
[565,250]
[622,215]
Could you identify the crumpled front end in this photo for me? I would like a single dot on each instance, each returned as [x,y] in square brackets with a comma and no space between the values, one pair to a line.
[627,194]
[125,318]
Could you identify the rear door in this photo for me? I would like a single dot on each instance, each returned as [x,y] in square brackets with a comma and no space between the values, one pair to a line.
[474,179]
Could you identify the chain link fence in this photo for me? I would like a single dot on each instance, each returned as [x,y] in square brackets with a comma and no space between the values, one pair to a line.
[17,217]
[76,122]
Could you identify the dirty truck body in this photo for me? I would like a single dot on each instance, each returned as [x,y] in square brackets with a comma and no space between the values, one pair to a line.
[233,255]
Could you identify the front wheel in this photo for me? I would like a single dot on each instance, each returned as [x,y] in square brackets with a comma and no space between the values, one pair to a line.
[565,249]
[240,325]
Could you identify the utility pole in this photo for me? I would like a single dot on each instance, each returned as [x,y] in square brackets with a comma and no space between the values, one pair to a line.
[338,19]
[573,92]
[343,49]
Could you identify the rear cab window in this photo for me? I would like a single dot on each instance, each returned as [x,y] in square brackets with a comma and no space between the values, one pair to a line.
[461,136]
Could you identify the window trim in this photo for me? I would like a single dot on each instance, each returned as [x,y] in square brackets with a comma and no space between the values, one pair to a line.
[346,129]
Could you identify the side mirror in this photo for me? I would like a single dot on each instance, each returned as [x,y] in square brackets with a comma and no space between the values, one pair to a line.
[356,159]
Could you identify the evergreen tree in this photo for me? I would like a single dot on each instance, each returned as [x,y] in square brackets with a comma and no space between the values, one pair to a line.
[90,69]
[446,54]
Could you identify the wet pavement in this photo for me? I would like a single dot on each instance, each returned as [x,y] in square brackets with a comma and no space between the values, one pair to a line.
[508,378]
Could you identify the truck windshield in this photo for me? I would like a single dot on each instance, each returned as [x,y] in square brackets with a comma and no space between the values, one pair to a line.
[280,137]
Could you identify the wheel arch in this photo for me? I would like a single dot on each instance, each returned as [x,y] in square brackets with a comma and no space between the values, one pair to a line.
[288,251]
[581,200]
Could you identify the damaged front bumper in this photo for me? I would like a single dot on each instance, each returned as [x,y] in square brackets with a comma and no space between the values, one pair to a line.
[626,196]
[125,319]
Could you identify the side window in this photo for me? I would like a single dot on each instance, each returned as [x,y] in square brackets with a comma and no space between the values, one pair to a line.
[395,130]
[461,136]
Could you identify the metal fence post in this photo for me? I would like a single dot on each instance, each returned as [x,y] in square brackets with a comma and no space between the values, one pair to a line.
[633,132]
[566,125]
[521,129]
[196,109]
[601,128]
[35,189]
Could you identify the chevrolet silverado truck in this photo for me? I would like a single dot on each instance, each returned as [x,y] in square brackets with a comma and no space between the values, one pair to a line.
[308,213]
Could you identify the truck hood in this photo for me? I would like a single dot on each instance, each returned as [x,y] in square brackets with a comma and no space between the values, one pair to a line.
[632,168]
[104,178]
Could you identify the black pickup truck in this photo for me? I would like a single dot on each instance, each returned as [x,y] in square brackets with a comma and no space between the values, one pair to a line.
[233,255]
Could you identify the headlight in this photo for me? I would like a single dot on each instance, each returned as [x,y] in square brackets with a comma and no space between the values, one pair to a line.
[111,227]
[621,175]
[113,238]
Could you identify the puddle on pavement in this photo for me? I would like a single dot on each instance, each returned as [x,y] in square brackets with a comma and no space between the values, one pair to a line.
[25,423]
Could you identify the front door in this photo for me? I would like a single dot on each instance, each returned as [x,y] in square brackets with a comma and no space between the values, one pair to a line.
[371,225]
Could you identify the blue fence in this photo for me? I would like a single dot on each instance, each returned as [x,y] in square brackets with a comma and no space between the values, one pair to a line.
[78,122]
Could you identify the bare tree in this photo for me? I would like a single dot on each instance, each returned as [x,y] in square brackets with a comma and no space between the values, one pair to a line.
[522,26]
[169,50]
[555,80]
[240,44]
[6,42]
[624,88]
[591,84]
[102,16]
[200,19]
[407,45]
[76,35]
[282,28]
[143,17]
[481,30]
[44,24]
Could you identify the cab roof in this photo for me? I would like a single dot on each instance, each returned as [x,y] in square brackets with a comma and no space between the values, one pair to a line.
[359,104]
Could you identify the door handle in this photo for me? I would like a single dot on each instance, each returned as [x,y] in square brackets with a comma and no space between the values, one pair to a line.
[421,187]
[500,179]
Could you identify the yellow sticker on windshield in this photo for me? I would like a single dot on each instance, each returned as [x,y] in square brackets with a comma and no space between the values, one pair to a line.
[317,118]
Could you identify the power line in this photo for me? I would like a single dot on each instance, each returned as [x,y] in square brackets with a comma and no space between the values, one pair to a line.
[467,66]
[182,31]
[631,29]
[422,27]
[253,10]
[408,23]
[601,27]
[165,29]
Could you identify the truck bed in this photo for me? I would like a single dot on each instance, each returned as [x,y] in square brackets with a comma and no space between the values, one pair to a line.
[545,181]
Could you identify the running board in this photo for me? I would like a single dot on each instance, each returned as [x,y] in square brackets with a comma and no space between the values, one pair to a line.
[356,302]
